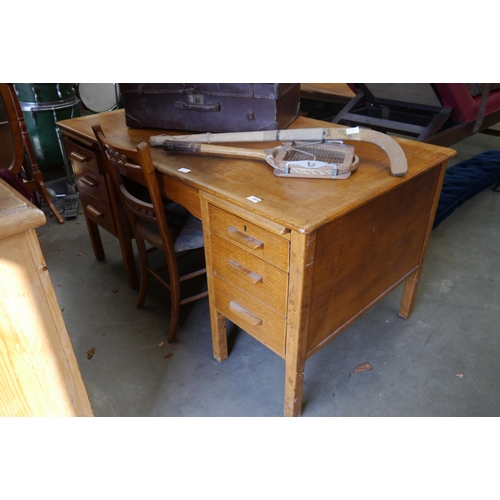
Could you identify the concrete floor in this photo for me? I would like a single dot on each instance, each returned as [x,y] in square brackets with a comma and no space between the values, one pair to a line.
[440,362]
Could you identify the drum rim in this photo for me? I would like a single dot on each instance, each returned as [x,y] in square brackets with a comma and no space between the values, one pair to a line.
[114,106]
[48,106]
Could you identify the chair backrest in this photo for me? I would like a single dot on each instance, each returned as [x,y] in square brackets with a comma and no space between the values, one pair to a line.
[15,123]
[137,166]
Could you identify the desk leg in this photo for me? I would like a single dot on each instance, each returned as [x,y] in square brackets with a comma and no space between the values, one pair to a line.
[217,320]
[409,294]
[95,238]
[413,280]
[295,363]
[219,335]
[299,301]
[125,247]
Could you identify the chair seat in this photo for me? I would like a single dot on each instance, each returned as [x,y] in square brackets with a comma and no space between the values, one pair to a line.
[188,228]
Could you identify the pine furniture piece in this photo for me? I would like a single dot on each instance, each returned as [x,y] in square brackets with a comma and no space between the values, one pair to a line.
[39,374]
[293,262]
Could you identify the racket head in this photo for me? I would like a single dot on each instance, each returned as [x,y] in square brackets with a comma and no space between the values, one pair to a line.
[314,159]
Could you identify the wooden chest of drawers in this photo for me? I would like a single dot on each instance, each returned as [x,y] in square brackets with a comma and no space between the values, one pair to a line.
[99,203]
[248,263]
[92,186]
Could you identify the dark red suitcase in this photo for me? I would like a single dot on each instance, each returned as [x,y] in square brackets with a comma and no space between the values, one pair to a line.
[211,107]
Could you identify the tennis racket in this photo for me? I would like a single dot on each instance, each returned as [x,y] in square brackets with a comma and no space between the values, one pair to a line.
[326,160]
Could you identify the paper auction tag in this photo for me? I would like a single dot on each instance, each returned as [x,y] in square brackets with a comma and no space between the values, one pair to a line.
[254,199]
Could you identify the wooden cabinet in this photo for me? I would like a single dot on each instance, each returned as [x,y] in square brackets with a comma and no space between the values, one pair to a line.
[100,204]
[248,267]
[92,186]
[39,374]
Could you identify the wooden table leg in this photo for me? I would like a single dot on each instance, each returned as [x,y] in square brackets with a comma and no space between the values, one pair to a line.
[301,274]
[219,335]
[295,363]
[217,320]
[95,238]
[409,294]
[413,280]
[125,247]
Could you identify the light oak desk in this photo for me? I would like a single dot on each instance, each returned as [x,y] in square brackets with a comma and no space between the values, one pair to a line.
[299,266]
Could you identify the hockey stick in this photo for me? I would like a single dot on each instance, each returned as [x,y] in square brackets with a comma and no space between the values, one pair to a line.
[397,158]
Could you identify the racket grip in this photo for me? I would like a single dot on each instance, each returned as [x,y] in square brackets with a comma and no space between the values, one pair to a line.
[186,147]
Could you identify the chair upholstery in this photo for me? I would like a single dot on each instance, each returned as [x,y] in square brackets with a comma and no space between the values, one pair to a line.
[438,113]
[465,100]
[156,226]
[22,171]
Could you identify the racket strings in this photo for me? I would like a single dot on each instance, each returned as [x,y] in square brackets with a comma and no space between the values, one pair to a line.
[314,153]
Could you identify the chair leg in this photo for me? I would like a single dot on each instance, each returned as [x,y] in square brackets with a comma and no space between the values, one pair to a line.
[37,185]
[175,296]
[45,195]
[174,310]
[143,262]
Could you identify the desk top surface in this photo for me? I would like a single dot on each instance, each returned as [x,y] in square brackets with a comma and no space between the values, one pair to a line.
[299,204]
[17,214]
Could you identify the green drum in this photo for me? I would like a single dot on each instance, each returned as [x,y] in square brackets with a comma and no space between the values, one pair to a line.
[43,105]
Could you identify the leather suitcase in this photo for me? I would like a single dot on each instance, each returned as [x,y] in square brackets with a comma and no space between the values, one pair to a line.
[211,107]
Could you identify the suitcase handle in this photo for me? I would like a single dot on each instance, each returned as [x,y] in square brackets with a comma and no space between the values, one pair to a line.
[197,107]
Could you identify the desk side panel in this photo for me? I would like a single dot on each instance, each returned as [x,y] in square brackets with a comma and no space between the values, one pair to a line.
[362,256]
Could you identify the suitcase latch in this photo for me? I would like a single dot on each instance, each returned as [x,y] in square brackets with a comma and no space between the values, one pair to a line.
[195,102]
[195,98]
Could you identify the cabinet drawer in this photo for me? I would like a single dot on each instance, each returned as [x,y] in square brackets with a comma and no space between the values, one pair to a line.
[82,155]
[266,283]
[251,315]
[86,168]
[250,237]
[98,211]
[88,180]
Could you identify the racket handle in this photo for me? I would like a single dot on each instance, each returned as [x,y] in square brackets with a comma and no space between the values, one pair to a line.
[196,147]
[185,147]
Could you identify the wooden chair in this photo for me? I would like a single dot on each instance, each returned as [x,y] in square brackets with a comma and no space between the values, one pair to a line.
[149,220]
[23,165]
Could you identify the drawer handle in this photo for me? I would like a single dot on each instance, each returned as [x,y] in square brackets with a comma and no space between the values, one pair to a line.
[244,313]
[93,211]
[244,239]
[253,277]
[88,182]
[78,157]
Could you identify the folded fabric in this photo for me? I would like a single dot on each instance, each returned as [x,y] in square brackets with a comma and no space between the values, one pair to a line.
[465,180]
[16,182]
[190,235]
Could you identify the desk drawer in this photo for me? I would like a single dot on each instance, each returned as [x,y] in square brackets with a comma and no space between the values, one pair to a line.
[98,211]
[79,154]
[88,180]
[251,315]
[256,277]
[88,174]
[254,239]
